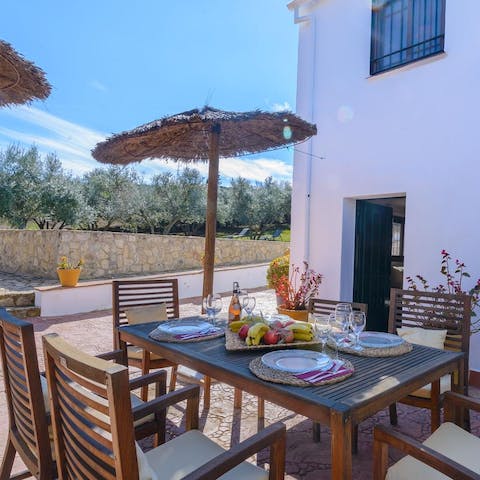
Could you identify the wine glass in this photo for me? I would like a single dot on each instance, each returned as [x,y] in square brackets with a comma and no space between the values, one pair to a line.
[213,306]
[342,318]
[357,324]
[322,328]
[248,304]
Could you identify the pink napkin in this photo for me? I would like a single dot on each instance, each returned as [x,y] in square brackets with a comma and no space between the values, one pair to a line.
[337,369]
[203,333]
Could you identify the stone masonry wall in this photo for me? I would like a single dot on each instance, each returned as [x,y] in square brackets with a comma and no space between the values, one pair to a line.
[108,254]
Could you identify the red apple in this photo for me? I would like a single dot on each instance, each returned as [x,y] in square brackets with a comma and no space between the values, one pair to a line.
[271,337]
[276,325]
[243,332]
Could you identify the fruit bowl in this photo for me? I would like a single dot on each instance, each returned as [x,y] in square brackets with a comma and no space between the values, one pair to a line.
[234,342]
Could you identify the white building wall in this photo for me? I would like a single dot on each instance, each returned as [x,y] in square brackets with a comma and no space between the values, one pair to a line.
[413,131]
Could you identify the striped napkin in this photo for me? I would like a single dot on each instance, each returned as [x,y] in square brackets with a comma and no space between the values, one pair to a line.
[202,333]
[337,369]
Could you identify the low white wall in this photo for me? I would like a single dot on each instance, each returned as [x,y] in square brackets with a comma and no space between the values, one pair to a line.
[91,296]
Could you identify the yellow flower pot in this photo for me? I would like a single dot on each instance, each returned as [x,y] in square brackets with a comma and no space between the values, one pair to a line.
[68,276]
[295,314]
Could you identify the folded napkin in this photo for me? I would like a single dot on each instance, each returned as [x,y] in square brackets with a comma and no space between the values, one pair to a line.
[202,333]
[337,369]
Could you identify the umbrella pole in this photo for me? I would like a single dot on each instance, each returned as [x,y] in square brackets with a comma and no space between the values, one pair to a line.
[211,214]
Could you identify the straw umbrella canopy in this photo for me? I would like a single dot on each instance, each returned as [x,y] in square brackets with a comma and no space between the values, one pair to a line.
[201,136]
[20,80]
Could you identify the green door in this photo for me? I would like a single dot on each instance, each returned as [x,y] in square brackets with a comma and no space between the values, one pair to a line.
[373,257]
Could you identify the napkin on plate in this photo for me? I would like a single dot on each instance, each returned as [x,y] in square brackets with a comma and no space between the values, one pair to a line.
[203,333]
[337,369]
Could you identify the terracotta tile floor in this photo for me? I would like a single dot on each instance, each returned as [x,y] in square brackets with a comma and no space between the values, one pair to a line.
[305,459]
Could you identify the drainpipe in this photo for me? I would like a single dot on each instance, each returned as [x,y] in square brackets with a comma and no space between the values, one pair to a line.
[308,20]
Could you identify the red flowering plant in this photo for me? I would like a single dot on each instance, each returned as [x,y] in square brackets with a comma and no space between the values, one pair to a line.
[454,276]
[297,288]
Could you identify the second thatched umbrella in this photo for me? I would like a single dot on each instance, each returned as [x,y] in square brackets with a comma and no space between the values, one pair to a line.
[20,80]
[205,135]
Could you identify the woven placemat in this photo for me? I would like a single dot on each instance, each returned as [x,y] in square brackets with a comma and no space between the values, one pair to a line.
[234,342]
[258,368]
[161,337]
[401,349]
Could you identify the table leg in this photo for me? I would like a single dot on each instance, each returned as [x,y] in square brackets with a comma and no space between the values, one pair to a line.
[341,428]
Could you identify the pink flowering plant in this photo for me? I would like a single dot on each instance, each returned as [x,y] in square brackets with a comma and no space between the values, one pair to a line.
[297,288]
[455,273]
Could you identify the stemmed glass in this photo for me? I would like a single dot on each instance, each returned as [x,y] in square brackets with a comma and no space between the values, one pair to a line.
[213,306]
[322,328]
[357,324]
[342,319]
[248,304]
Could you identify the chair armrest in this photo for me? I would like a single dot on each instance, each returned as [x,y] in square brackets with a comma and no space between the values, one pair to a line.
[383,437]
[160,377]
[463,401]
[115,355]
[190,393]
[273,436]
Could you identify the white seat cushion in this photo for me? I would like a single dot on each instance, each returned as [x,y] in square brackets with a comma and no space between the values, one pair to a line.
[44,385]
[136,401]
[423,336]
[425,392]
[137,353]
[450,440]
[185,453]
[147,314]
[144,470]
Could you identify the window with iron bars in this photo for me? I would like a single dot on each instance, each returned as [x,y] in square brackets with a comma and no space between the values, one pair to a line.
[404,31]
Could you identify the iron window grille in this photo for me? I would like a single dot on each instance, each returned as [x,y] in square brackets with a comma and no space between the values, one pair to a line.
[404,31]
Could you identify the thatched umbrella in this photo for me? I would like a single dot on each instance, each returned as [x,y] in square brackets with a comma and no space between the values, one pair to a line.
[20,80]
[205,135]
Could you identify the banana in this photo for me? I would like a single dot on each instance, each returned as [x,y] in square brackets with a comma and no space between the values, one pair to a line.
[256,333]
[304,337]
[301,327]
[237,325]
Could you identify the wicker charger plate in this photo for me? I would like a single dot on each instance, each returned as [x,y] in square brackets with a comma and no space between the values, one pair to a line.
[234,342]
[162,337]
[258,368]
[401,349]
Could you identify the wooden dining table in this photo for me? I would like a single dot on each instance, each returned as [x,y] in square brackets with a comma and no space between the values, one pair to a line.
[375,384]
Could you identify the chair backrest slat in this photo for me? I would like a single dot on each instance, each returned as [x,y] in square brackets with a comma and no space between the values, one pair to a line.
[325,307]
[142,293]
[92,418]
[28,420]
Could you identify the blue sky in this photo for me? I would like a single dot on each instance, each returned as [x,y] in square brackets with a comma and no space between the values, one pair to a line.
[116,64]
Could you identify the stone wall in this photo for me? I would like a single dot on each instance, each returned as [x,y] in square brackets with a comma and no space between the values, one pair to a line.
[108,254]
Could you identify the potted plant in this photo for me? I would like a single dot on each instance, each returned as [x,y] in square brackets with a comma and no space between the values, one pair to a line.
[296,290]
[276,272]
[68,273]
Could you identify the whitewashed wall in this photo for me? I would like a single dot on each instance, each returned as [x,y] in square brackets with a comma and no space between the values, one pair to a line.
[414,131]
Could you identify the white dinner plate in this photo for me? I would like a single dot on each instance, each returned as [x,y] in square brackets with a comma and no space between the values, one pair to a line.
[296,361]
[379,340]
[179,327]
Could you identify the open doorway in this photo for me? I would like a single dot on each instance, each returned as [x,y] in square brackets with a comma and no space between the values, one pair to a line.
[378,262]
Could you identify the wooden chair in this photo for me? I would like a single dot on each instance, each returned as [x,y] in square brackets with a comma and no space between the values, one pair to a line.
[450,451]
[147,293]
[433,311]
[93,426]
[29,408]
[28,417]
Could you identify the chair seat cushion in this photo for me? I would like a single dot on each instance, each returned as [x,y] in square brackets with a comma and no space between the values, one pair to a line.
[44,385]
[137,353]
[450,440]
[185,453]
[136,402]
[423,336]
[147,314]
[425,392]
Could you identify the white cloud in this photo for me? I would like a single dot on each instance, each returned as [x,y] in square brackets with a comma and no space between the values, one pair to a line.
[97,85]
[73,143]
[281,107]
